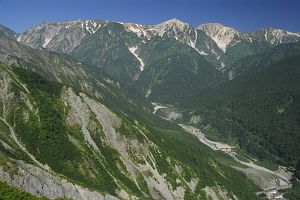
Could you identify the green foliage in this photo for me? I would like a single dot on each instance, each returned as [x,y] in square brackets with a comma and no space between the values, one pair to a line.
[10,193]
[294,192]
[130,129]
[174,70]
[165,167]
[297,170]
[94,170]
[142,183]
[189,151]
[258,62]
[107,50]
[45,134]
[111,161]
[241,50]
[260,111]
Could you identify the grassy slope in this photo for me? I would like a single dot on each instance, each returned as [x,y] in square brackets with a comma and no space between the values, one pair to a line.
[9,193]
[169,138]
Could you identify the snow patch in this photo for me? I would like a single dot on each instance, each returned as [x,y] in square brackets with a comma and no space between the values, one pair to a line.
[133,51]
[222,65]
[201,52]
[46,41]
[91,26]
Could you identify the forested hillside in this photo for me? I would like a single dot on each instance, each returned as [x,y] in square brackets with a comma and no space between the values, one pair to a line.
[259,111]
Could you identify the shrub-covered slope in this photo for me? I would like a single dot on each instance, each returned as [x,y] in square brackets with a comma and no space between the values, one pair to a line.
[53,131]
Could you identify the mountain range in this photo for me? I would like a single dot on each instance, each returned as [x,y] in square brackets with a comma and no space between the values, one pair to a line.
[94,109]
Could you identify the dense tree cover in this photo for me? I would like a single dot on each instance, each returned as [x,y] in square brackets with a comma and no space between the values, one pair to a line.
[108,50]
[174,70]
[259,110]
[171,68]
[297,170]
[241,50]
[294,192]
[46,133]
[258,62]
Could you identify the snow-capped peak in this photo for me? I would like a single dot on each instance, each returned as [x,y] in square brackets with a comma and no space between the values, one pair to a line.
[221,34]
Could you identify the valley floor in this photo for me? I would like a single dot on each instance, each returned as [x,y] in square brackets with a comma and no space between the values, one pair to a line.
[271,182]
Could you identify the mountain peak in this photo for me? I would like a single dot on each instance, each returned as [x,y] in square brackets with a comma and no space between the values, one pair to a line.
[276,36]
[277,31]
[7,32]
[174,21]
[51,34]
[214,26]
[221,34]
[173,25]
[138,29]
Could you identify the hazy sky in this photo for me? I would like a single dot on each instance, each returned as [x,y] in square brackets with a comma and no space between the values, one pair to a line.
[246,15]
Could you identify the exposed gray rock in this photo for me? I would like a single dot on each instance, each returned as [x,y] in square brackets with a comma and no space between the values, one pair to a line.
[39,182]
[61,37]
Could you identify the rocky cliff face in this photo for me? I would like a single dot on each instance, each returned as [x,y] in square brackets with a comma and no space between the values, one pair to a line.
[276,36]
[7,32]
[61,37]
[40,182]
[224,36]
[66,36]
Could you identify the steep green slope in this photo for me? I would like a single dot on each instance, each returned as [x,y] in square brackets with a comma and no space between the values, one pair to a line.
[167,62]
[259,111]
[174,70]
[66,70]
[63,132]
[152,146]
[9,193]
[243,49]
[108,50]
[263,60]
